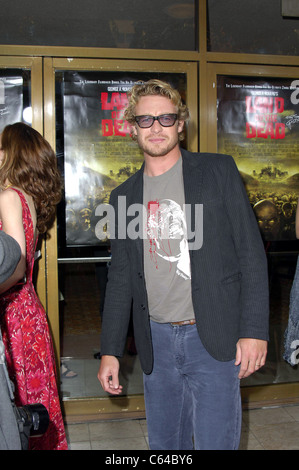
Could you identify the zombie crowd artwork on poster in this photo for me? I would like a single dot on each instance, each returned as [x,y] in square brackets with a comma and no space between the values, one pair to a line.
[258,124]
[99,153]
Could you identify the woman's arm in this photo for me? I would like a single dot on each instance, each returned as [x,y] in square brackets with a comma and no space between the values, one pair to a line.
[12,224]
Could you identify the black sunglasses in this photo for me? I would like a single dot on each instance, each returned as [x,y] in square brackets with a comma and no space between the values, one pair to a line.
[166,120]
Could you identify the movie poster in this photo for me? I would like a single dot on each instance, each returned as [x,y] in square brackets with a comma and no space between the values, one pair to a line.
[99,153]
[258,124]
[11,99]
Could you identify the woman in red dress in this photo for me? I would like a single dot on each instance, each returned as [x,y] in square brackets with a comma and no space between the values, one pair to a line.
[31,189]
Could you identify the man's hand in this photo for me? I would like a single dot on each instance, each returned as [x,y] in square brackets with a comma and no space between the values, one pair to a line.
[108,375]
[251,354]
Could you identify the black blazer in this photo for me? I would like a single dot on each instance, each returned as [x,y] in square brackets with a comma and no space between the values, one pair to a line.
[228,273]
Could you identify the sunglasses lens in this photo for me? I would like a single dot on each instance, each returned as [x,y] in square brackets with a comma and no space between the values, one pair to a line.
[144,121]
[167,120]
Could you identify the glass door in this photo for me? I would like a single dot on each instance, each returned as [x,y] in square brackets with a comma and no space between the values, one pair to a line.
[255,119]
[84,104]
[21,99]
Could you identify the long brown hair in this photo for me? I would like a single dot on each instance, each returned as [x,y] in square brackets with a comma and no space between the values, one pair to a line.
[30,164]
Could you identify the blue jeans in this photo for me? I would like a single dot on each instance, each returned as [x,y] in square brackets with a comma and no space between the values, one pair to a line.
[192,400]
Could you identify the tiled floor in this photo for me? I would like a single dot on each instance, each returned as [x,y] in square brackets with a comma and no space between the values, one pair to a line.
[263,429]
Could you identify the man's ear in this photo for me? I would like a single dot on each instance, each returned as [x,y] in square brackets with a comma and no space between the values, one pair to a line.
[133,130]
[180,126]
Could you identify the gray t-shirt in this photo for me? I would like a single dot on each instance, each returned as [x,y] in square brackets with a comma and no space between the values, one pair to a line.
[166,255]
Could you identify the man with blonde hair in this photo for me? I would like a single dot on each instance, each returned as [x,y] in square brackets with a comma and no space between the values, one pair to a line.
[200,315]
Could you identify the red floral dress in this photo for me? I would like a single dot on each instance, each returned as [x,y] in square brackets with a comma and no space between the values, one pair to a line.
[29,350]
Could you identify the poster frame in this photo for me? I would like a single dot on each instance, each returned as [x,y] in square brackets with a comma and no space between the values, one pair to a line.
[53,64]
[248,71]
[85,66]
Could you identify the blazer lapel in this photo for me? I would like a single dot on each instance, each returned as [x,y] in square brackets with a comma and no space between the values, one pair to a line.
[136,197]
[192,176]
